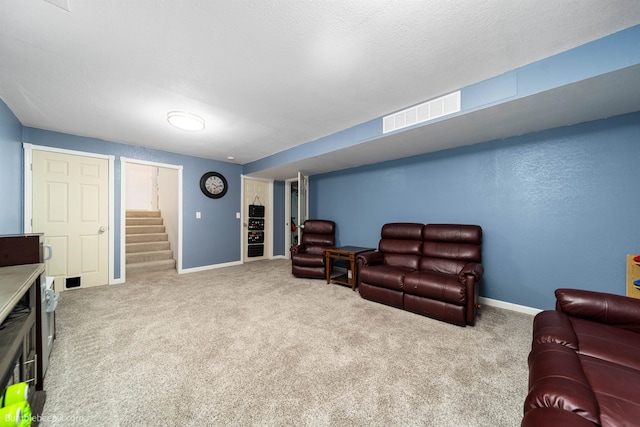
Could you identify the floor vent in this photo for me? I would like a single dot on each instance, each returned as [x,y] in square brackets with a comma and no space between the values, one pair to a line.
[72,282]
[439,107]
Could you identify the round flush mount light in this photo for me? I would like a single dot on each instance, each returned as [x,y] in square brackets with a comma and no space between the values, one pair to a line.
[185,121]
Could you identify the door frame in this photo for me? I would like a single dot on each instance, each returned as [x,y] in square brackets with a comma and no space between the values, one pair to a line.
[123,208]
[268,226]
[287,216]
[28,194]
[287,210]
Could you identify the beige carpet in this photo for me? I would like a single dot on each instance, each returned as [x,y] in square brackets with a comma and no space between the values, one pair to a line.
[253,346]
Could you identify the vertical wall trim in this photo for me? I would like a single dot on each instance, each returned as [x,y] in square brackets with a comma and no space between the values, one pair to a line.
[112,220]
[287,216]
[28,187]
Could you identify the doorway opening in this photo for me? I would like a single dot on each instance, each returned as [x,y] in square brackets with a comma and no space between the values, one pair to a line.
[296,208]
[295,223]
[151,214]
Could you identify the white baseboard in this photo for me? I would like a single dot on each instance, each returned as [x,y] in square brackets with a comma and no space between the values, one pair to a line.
[208,267]
[509,306]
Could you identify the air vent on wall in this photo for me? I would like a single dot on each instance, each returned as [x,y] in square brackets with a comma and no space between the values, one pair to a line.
[445,105]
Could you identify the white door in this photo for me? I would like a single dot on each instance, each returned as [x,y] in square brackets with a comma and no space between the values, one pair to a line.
[71,208]
[303,189]
[256,192]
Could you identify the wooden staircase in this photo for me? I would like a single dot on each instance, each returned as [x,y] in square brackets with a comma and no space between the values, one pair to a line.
[147,245]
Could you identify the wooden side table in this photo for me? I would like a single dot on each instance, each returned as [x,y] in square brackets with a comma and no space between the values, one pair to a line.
[346,253]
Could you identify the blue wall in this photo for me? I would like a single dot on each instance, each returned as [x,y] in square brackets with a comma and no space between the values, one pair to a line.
[213,239]
[599,57]
[11,215]
[207,241]
[278,218]
[558,208]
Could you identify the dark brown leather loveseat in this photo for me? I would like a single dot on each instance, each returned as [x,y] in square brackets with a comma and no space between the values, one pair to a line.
[584,365]
[432,270]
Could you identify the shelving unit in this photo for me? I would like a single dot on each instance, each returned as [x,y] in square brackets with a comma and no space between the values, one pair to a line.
[255,235]
[20,333]
[633,274]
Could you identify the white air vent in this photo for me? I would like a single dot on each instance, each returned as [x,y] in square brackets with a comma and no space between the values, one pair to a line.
[429,110]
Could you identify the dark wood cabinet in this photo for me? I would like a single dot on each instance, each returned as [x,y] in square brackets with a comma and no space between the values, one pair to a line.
[20,333]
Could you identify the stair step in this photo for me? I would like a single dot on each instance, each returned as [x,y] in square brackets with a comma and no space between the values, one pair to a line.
[144,221]
[143,229]
[148,256]
[151,266]
[142,214]
[147,246]
[147,237]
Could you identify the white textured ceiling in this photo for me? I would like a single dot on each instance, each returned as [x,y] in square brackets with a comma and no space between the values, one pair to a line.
[267,75]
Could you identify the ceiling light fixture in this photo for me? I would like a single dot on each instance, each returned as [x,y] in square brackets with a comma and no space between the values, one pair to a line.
[185,121]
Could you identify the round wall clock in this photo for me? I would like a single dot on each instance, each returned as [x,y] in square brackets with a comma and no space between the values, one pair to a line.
[213,185]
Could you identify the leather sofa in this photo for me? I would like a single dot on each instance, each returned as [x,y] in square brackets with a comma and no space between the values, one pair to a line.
[433,270]
[584,364]
[307,258]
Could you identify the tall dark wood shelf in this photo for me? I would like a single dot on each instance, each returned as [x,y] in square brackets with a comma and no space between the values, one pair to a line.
[21,336]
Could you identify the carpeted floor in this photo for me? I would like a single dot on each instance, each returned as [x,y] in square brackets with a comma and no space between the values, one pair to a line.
[251,345]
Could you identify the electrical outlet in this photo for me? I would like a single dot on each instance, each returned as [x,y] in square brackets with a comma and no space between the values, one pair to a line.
[198,216]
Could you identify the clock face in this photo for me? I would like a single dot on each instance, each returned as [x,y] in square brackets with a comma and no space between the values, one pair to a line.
[213,185]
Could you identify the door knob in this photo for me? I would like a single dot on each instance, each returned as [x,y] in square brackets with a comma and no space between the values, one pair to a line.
[101,229]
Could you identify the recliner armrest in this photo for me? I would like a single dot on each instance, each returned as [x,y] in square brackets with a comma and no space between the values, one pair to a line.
[614,310]
[474,269]
[297,249]
[369,258]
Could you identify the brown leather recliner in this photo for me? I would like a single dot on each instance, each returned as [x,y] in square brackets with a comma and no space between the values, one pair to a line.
[432,270]
[307,258]
[584,364]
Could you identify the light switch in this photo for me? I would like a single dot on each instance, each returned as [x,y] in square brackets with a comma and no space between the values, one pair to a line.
[198,216]
[237,215]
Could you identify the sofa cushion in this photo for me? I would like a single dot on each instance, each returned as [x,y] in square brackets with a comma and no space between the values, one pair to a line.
[382,295]
[458,233]
[556,380]
[441,265]
[616,388]
[401,260]
[434,308]
[385,276]
[607,342]
[447,248]
[401,244]
[402,231]
[438,286]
